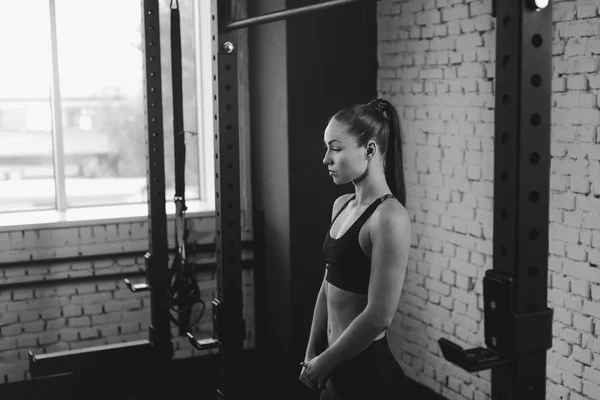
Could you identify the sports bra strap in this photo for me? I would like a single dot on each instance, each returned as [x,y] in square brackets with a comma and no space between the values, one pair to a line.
[342,209]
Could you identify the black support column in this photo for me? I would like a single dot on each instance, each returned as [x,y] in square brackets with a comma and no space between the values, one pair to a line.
[157,257]
[521,201]
[229,319]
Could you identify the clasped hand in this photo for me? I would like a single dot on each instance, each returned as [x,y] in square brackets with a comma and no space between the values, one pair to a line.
[315,373]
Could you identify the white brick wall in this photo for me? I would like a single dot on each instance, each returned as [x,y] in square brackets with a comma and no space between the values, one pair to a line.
[50,318]
[437,66]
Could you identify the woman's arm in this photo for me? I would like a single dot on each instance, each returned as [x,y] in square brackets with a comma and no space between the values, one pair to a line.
[389,257]
[317,340]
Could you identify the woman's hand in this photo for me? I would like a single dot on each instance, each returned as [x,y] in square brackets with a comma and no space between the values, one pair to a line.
[315,373]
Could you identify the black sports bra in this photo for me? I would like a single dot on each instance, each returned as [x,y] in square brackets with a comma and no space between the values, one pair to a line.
[348,267]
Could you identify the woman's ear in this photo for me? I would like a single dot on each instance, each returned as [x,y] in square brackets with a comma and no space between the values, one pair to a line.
[371,149]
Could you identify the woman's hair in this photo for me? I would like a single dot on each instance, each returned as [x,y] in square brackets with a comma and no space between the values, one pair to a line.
[378,121]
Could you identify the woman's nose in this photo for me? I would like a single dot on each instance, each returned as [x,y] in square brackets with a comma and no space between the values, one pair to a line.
[326,160]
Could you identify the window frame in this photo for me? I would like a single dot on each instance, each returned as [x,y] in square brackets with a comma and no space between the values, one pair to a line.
[63,217]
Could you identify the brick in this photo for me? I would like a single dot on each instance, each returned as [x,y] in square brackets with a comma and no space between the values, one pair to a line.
[584,356]
[581,288]
[56,324]
[34,327]
[577,47]
[579,82]
[571,381]
[27,341]
[587,10]
[76,322]
[11,330]
[50,313]
[590,389]
[582,323]
[129,327]
[28,316]
[72,311]
[48,338]
[89,333]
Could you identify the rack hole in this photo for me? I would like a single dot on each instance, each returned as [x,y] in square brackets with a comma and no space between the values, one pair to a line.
[504,214]
[228,127]
[534,158]
[227,67]
[228,87]
[504,176]
[505,100]
[229,146]
[505,61]
[532,234]
[532,271]
[505,22]
[230,186]
[228,107]
[504,138]
[534,196]
[536,80]
[230,166]
[535,119]
[536,40]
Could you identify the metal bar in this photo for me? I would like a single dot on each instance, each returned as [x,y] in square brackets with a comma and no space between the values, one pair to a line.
[57,128]
[227,196]
[196,249]
[158,268]
[285,14]
[246,264]
[69,280]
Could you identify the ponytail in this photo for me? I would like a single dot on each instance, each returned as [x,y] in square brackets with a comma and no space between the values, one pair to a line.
[369,121]
[394,171]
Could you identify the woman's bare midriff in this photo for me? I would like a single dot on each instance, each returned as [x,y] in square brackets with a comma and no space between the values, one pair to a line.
[342,308]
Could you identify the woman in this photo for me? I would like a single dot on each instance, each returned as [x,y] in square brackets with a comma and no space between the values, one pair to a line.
[366,250]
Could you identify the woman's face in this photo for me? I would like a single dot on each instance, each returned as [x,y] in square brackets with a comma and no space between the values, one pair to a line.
[345,161]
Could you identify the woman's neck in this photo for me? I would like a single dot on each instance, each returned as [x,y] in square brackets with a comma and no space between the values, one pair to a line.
[371,186]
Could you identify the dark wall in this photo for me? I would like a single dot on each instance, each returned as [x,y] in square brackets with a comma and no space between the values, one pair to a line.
[270,176]
[332,63]
[302,71]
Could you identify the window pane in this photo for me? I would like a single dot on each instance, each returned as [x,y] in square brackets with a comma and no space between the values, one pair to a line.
[102,90]
[188,71]
[101,77]
[26,167]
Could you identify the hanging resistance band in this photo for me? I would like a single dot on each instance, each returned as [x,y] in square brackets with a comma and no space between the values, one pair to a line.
[184,291]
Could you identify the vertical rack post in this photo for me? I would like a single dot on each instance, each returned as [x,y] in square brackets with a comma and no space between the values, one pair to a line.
[227,200]
[157,257]
[521,194]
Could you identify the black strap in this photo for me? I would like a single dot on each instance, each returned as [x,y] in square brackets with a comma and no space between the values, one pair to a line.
[342,209]
[178,131]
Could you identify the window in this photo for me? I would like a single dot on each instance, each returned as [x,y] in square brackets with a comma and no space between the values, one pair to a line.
[72,132]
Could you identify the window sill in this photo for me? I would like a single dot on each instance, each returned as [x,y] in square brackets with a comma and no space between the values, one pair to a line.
[87,216]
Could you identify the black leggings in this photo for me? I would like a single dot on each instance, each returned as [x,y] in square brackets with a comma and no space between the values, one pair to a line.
[372,374]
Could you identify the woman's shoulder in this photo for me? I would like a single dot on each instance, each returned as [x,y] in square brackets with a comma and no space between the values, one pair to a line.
[391,212]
